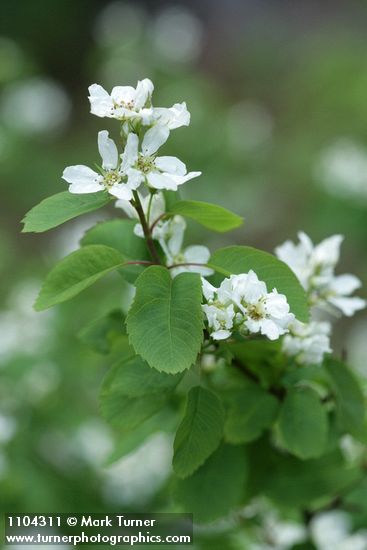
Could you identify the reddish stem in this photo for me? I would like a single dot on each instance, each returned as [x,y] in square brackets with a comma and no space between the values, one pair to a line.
[186,264]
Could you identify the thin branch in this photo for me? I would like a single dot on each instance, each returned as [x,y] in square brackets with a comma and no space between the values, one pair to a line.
[146,230]
[140,262]
[186,264]
[161,217]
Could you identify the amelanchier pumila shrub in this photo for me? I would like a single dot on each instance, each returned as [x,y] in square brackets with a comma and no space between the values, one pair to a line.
[236,343]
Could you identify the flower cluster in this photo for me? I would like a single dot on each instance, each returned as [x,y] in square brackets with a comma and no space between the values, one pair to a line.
[315,268]
[327,293]
[144,129]
[242,303]
[308,341]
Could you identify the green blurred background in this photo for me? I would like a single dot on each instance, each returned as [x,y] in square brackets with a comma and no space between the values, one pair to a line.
[278,97]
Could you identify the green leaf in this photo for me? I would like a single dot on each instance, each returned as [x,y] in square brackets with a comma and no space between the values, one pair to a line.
[120,234]
[357,497]
[217,487]
[294,482]
[60,208]
[76,272]
[164,421]
[250,411]
[126,413]
[276,274]
[200,431]
[303,423]
[132,392]
[165,321]
[350,404]
[209,215]
[101,333]
[134,378]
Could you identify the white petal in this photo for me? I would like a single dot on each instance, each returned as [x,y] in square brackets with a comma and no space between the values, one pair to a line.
[124,113]
[158,207]
[81,188]
[180,116]
[250,288]
[100,101]
[127,207]
[276,305]
[121,191]
[138,231]
[108,151]
[197,253]
[178,226]
[221,334]
[328,251]
[134,178]
[174,117]
[208,289]
[123,95]
[130,154]
[154,138]
[271,329]
[146,116]
[144,90]
[82,175]
[203,271]
[344,285]
[306,242]
[172,165]
[253,326]
[183,179]
[348,306]
[162,181]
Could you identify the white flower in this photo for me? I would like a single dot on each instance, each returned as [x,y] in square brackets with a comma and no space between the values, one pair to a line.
[307,342]
[331,530]
[314,267]
[283,535]
[267,313]
[127,103]
[174,117]
[159,172]
[172,248]
[153,207]
[338,291]
[124,102]
[117,180]
[220,320]
[255,309]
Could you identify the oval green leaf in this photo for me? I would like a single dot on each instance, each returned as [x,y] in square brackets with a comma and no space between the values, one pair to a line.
[209,215]
[251,410]
[60,208]
[350,402]
[132,377]
[216,487]
[165,321]
[120,234]
[303,423]
[200,431]
[76,272]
